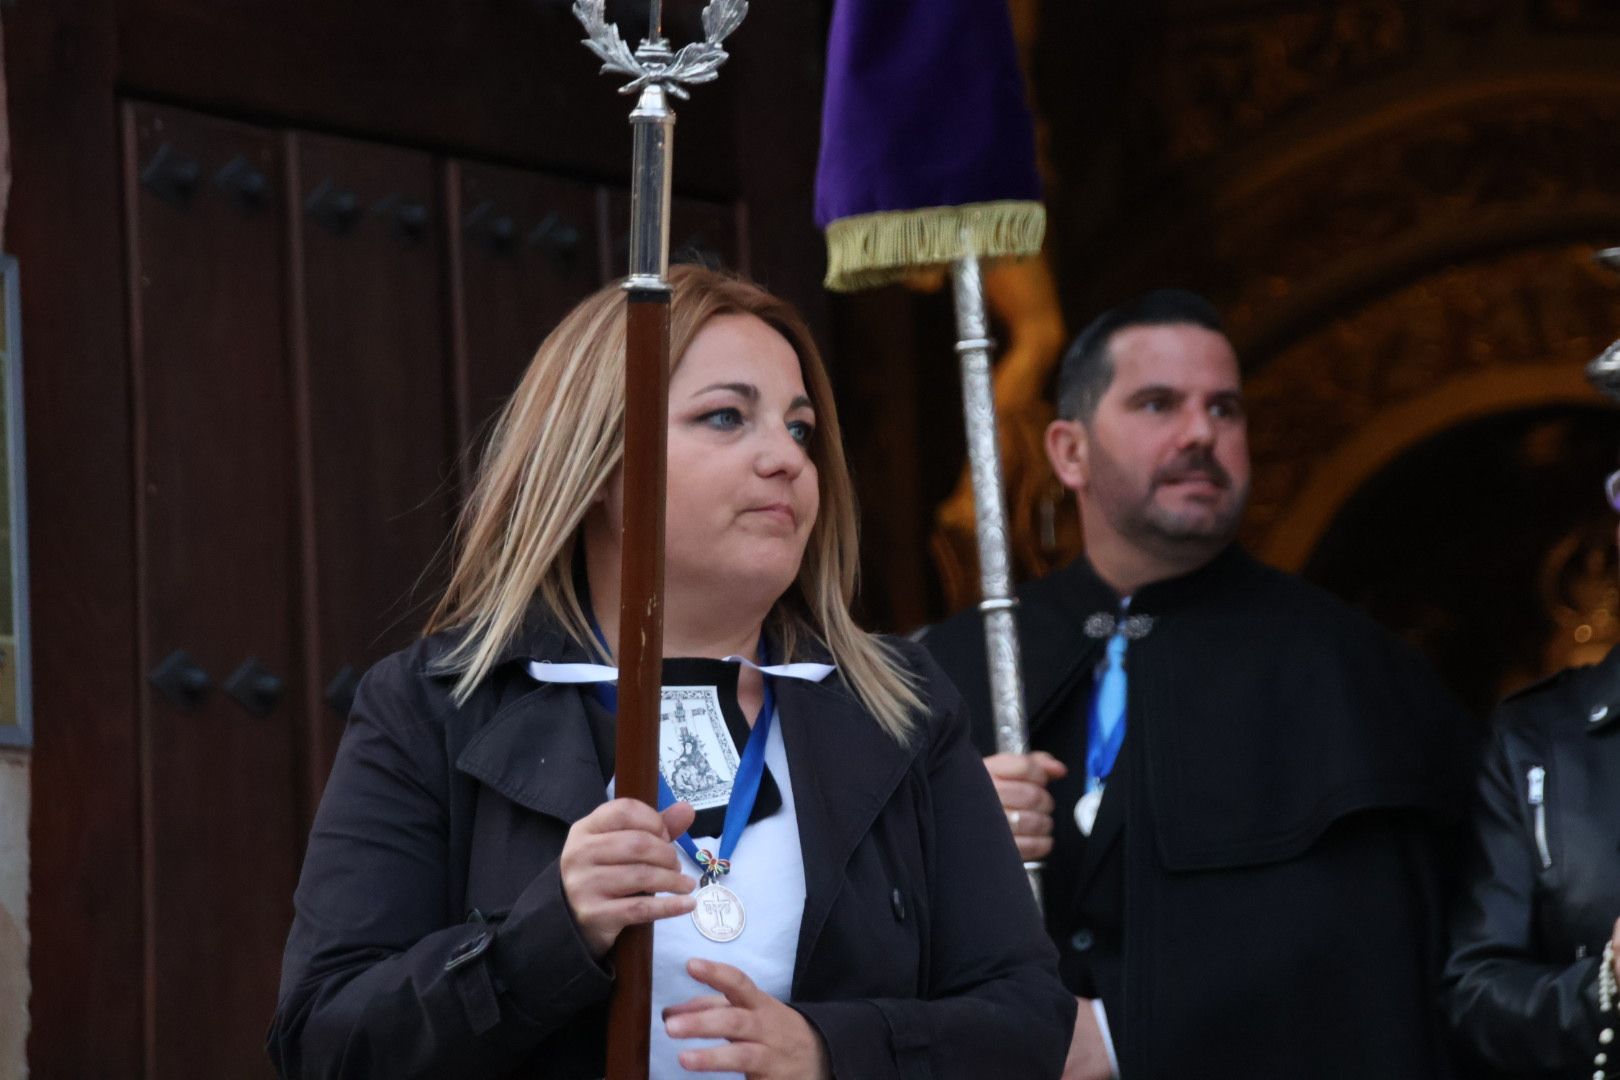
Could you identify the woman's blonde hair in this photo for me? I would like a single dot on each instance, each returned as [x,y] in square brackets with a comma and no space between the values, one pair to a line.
[556,444]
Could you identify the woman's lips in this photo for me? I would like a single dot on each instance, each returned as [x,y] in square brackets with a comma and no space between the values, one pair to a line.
[779,511]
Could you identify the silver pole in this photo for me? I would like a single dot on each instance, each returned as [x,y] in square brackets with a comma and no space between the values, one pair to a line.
[973,347]
[652,123]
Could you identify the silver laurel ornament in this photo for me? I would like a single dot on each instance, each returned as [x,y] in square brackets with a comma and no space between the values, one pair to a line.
[1604,371]
[653,63]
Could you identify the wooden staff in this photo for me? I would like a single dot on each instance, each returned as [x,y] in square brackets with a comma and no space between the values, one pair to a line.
[641,644]
[656,74]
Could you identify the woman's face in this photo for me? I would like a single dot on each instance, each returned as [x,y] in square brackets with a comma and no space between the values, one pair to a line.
[743,492]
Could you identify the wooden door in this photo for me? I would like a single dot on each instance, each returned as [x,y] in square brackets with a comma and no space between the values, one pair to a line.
[217,550]
[528,249]
[195,429]
[317,323]
[295,478]
[376,432]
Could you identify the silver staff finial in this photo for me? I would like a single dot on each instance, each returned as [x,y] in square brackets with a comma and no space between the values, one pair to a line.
[1604,372]
[697,62]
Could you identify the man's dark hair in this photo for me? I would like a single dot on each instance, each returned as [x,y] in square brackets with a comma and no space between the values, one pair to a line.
[1087,366]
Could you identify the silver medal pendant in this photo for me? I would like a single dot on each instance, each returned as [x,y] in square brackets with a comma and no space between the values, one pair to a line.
[1085,811]
[719,915]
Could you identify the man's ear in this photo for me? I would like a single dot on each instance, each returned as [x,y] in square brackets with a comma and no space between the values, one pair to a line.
[1068,449]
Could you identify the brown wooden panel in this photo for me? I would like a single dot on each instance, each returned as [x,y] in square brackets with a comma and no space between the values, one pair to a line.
[64,227]
[707,233]
[528,253]
[371,346]
[492,78]
[218,561]
[778,70]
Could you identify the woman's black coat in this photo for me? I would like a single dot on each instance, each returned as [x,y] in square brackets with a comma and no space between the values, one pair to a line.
[431,935]
[1541,898]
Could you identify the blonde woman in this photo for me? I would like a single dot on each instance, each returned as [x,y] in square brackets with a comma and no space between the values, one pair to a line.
[862,911]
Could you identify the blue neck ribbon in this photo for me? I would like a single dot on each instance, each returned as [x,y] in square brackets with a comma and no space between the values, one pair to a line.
[1105,731]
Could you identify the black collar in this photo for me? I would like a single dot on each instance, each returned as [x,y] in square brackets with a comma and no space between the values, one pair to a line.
[1054,619]
[1087,593]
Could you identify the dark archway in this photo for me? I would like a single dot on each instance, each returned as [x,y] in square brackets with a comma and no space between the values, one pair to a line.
[1487,546]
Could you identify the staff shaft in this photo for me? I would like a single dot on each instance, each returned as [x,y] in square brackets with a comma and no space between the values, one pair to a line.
[996,601]
[641,583]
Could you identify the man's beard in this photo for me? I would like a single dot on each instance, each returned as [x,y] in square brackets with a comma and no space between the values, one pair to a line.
[1150,524]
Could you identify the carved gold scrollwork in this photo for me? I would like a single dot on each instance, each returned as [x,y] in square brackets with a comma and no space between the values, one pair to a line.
[1232,75]
[1466,341]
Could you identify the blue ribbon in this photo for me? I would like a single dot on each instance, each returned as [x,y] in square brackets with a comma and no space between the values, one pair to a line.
[744,788]
[1106,729]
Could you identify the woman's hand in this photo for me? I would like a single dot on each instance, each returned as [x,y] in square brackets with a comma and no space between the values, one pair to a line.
[615,859]
[766,1040]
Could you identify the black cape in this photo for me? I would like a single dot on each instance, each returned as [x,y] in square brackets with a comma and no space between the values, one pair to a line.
[1277,819]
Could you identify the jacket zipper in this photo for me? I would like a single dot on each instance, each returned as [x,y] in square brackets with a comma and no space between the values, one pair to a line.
[1536,795]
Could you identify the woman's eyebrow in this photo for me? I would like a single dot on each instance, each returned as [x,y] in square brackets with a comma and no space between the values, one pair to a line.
[743,390]
[750,392]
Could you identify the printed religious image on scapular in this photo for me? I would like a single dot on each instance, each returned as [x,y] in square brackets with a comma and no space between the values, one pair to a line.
[695,749]
[701,738]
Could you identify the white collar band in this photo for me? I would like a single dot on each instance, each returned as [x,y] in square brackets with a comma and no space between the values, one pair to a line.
[547,672]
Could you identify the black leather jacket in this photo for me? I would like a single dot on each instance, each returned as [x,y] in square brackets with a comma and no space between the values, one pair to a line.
[1543,886]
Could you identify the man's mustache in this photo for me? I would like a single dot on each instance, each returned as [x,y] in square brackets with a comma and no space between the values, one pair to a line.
[1193,465]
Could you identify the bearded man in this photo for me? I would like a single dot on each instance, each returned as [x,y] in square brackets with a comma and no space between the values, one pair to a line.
[1240,785]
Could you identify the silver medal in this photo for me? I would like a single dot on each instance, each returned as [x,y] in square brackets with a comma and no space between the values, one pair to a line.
[1085,811]
[719,915]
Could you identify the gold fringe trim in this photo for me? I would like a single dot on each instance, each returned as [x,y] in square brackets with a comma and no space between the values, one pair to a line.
[869,250]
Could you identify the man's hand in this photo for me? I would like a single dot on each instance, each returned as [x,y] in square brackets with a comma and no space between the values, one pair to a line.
[1088,1048]
[765,1039]
[1021,781]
